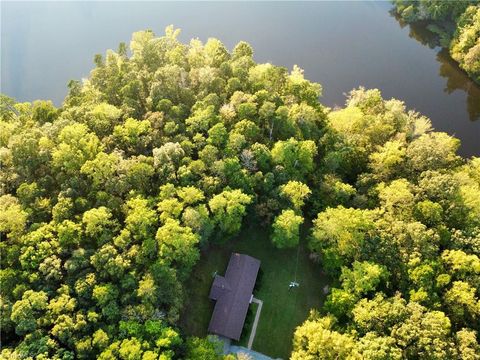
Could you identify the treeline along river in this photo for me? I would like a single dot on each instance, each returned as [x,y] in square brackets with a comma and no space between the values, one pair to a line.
[341,45]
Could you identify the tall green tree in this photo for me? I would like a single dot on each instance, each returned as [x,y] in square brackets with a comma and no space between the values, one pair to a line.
[286,229]
[228,209]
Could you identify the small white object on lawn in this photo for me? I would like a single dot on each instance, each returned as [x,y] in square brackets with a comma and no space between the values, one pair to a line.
[293,284]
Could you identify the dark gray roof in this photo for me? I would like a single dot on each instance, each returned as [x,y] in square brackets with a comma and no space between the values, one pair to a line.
[219,287]
[233,293]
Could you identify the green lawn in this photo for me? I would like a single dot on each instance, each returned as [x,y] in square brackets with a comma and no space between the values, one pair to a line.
[283,309]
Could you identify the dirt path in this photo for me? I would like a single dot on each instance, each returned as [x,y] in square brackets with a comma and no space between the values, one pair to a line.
[255,322]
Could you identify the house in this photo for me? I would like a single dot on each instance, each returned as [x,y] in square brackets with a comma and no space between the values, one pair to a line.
[233,294]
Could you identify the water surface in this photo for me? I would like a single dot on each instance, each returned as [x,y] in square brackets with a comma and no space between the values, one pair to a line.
[342,45]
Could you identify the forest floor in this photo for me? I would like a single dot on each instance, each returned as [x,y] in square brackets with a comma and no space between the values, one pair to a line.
[283,308]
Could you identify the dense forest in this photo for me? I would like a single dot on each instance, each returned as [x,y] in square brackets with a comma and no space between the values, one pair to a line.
[167,147]
[456,25]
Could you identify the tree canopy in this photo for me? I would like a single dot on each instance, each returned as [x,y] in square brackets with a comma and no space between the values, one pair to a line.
[399,244]
[107,200]
[167,148]
[455,24]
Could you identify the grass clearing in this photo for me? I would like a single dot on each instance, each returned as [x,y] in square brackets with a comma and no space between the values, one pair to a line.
[283,308]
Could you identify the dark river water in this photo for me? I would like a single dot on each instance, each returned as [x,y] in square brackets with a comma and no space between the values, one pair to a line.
[341,45]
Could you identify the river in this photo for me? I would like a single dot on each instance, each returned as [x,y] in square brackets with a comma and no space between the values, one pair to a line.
[341,45]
